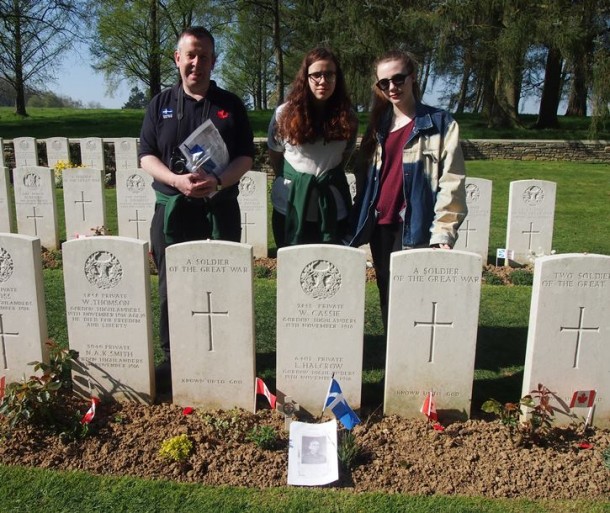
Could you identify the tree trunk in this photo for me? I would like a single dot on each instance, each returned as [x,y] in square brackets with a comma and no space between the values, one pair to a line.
[549,103]
[155,52]
[461,103]
[19,83]
[277,50]
[577,103]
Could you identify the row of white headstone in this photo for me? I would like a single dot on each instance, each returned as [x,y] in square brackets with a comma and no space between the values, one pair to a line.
[91,152]
[529,226]
[85,208]
[431,341]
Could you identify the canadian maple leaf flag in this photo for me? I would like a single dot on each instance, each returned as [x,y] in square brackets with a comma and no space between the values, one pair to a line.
[2,387]
[261,388]
[88,417]
[583,399]
[429,407]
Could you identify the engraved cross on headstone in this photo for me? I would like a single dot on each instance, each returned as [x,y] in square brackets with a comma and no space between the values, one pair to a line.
[580,329]
[137,220]
[245,224]
[466,229]
[530,234]
[433,325]
[2,335]
[209,314]
[82,201]
[34,217]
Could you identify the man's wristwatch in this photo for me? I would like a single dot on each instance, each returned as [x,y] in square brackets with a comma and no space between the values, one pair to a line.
[219,183]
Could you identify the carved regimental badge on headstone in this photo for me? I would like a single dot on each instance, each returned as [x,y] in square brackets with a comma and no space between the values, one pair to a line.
[103,270]
[473,193]
[6,265]
[320,279]
[135,183]
[31,181]
[247,186]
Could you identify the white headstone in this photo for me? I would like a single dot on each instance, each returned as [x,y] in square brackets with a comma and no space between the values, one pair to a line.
[211,324]
[531,213]
[84,201]
[320,323]
[351,180]
[432,331]
[135,202]
[126,153]
[568,342]
[474,231]
[35,204]
[92,152]
[57,149]
[108,309]
[253,205]
[26,151]
[6,202]
[23,319]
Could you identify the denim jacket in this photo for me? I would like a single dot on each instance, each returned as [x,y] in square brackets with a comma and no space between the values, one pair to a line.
[433,182]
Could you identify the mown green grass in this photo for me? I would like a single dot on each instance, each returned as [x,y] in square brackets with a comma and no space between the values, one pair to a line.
[53,122]
[43,491]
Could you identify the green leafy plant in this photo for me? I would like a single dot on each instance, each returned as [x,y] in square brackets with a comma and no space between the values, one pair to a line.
[492,279]
[34,401]
[264,437]
[522,277]
[606,456]
[227,424]
[348,450]
[539,415]
[177,448]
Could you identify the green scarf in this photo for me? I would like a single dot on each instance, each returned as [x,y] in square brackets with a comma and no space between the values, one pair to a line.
[185,218]
[298,200]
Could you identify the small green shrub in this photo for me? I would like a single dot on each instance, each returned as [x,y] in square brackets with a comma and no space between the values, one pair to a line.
[522,277]
[176,448]
[260,271]
[264,437]
[35,401]
[348,450]
[606,456]
[492,279]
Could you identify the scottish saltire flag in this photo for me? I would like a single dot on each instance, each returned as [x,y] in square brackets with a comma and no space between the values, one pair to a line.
[337,403]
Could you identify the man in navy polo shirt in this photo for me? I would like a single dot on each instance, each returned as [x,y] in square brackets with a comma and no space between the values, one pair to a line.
[171,117]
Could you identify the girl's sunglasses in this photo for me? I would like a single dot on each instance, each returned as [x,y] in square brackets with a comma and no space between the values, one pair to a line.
[397,80]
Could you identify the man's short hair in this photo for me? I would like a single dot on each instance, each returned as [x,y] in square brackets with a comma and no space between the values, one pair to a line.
[198,33]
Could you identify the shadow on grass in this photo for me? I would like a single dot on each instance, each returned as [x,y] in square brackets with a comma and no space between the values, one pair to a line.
[499,362]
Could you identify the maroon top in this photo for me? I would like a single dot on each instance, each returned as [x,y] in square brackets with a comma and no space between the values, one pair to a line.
[391,197]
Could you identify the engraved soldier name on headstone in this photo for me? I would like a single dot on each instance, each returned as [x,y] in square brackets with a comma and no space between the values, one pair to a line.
[23,320]
[320,323]
[211,324]
[109,317]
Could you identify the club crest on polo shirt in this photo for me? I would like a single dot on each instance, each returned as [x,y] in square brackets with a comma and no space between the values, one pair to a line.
[167,113]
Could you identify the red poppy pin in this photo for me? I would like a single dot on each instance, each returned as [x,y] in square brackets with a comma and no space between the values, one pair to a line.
[223,114]
[187,411]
